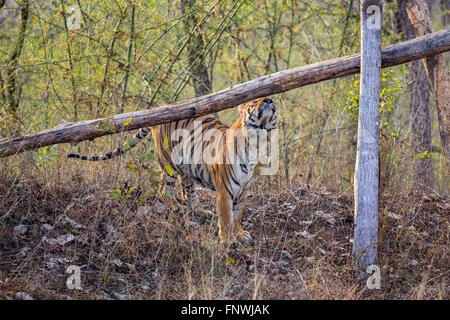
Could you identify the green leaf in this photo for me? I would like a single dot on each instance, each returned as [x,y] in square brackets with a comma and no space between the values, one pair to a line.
[43,150]
[131,189]
[116,195]
[169,170]
[127,122]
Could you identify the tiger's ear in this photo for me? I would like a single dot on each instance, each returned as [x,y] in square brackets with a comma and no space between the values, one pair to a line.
[240,109]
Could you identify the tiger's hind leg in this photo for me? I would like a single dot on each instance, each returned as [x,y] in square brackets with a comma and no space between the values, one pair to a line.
[238,211]
[169,178]
[190,196]
[186,186]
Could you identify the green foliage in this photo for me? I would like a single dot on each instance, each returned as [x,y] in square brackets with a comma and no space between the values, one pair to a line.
[168,169]
[127,122]
[352,103]
[120,194]
[131,55]
[390,90]
[424,154]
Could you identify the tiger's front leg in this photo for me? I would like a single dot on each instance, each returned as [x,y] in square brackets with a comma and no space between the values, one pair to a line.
[225,215]
[230,217]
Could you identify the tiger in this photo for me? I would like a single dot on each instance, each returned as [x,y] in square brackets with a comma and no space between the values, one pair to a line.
[214,169]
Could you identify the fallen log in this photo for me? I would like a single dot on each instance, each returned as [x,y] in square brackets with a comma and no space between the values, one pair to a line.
[275,83]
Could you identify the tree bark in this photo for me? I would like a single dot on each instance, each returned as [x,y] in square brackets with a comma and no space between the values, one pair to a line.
[12,87]
[195,49]
[437,72]
[367,156]
[419,109]
[445,7]
[261,87]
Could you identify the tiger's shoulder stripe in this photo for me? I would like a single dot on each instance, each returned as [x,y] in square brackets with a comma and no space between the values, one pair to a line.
[141,134]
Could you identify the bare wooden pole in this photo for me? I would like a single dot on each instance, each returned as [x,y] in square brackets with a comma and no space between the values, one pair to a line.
[367,156]
[282,81]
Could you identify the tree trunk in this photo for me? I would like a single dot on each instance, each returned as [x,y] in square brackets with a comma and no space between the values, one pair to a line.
[12,86]
[420,121]
[437,72]
[195,49]
[228,98]
[367,157]
[445,7]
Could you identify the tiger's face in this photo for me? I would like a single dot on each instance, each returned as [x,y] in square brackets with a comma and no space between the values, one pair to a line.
[260,114]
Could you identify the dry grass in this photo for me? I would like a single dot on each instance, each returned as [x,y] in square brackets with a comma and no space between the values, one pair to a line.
[301,247]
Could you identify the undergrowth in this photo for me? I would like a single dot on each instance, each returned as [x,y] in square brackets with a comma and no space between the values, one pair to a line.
[129,247]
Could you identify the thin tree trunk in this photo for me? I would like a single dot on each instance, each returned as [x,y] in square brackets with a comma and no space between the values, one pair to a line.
[71,68]
[420,121]
[437,72]
[13,89]
[195,49]
[367,157]
[127,68]
[109,55]
[445,7]
[228,98]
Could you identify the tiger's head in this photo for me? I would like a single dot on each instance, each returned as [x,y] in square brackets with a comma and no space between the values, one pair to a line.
[259,114]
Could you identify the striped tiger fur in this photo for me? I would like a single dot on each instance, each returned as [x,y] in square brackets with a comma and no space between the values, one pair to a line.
[215,170]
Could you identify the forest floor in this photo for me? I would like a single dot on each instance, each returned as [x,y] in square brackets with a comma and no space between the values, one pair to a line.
[128,248]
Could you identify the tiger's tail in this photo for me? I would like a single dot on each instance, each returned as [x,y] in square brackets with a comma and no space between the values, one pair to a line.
[141,134]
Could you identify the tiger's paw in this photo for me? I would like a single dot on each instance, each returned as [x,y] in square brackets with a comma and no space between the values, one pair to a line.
[168,204]
[203,212]
[243,235]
